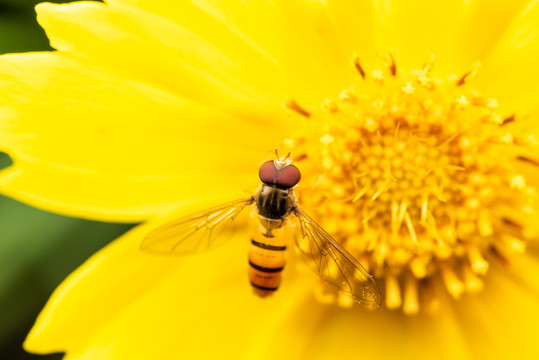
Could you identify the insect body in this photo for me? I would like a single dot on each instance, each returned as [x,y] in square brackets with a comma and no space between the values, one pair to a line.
[275,203]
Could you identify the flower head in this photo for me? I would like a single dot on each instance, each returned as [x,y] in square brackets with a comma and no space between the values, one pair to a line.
[421,178]
[425,168]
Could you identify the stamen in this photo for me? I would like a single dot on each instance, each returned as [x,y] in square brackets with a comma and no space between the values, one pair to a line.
[472,282]
[408,88]
[360,193]
[359,68]
[452,283]
[495,119]
[330,106]
[506,138]
[393,293]
[493,103]
[410,227]
[528,160]
[392,65]
[347,96]
[292,105]
[517,182]
[378,75]
[424,207]
[327,139]
[508,120]
[381,189]
[468,76]
[418,267]
[411,302]
[484,224]
[511,244]
[462,102]
[420,179]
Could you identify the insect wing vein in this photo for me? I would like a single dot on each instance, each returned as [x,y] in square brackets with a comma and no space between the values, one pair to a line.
[197,232]
[334,264]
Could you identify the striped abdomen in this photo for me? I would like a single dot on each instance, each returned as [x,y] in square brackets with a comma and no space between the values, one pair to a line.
[266,259]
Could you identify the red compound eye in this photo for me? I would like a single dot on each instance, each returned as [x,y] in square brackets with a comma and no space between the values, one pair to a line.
[288,176]
[268,173]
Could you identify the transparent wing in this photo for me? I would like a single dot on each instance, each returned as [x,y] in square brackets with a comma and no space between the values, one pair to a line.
[197,232]
[334,264]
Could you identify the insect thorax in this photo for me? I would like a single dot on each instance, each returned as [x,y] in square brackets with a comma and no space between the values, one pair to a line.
[273,205]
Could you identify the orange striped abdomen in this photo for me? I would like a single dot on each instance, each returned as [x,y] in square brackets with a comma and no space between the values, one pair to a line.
[267,257]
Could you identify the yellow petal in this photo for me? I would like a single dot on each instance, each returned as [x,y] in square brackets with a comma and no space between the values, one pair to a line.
[155,50]
[509,69]
[202,45]
[500,322]
[175,300]
[201,306]
[117,148]
[458,33]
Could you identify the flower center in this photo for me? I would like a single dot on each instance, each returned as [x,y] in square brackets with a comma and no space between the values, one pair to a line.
[418,177]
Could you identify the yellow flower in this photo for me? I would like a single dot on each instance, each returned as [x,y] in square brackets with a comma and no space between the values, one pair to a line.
[414,125]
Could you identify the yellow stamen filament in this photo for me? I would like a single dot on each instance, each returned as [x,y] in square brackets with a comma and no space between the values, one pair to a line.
[518,182]
[472,282]
[511,244]
[411,300]
[484,224]
[452,282]
[418,267]
[410,227]
[478,264]
[393,293]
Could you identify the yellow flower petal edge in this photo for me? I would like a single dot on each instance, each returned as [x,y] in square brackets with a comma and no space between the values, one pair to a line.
[97,157]
[101,128]
[201,306]
[142,274]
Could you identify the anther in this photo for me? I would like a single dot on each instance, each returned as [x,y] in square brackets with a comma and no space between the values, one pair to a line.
[392,65]
[330,106]
[292,105]
[528,160]
[347,96]
[495,119]
[358,67]
[467,76]
[462,102]
[472,282]
[408,88]
[452,282]
[508,120]
[378,75]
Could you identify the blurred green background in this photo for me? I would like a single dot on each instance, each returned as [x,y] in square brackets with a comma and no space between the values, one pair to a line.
[37,249]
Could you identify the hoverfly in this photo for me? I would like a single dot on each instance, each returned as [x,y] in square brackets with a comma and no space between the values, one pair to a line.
[275,202]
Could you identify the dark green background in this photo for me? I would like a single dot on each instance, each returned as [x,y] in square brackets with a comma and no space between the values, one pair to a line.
[37,249]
